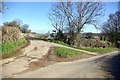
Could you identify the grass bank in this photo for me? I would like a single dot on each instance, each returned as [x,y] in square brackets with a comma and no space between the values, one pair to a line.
[100,50]
[8,49]
[65,52]
[61,54]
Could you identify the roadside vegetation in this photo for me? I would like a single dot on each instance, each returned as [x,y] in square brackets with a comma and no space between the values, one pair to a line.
[100,50]
[12,39]
[62,54]
[96,50]
[10,48]
[65,52]
[90,49]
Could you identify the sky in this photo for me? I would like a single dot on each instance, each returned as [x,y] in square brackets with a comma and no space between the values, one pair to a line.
[35,14]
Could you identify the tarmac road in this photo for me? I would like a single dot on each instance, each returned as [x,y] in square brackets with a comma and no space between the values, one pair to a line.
[103,66]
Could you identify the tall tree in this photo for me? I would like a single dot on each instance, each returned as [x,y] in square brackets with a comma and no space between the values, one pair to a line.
[58,21]
[1,6]
[112,28]
[78,14]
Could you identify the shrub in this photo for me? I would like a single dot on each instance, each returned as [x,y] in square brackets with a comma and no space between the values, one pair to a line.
[92,43]
[10,34]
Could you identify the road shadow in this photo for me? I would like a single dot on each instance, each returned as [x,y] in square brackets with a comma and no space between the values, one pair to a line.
[113,66]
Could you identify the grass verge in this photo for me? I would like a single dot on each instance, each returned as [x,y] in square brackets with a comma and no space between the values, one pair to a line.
[100,50]
[61,54]
[9,49]
[96,50]
[65,52]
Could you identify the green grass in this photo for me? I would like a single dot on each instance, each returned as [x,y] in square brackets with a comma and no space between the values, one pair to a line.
[100,50]
[8,47]
[97,50]
[65,52]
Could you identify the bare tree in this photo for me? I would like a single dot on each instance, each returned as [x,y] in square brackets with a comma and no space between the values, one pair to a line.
[58,20]
[112,28]
[78,14]
[2,6]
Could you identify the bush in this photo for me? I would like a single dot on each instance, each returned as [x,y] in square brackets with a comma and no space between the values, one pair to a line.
[10,34]
[93,43]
